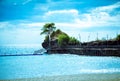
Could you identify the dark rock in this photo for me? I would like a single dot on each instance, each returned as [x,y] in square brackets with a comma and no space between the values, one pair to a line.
[45,45]
[94,48]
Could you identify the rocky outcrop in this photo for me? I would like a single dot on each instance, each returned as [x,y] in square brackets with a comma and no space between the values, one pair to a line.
[99,43]
[105,48]
[45,45]
[63,43]
[53,44]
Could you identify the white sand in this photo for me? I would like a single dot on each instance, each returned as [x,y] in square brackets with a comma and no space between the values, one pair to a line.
[78,77]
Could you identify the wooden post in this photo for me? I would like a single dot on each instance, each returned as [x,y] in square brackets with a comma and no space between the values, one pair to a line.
[80,39]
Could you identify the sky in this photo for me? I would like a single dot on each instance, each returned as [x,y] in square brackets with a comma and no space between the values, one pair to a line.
[21,20]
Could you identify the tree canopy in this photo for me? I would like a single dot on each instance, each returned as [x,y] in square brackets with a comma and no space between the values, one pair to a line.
[61,37]
[48,28]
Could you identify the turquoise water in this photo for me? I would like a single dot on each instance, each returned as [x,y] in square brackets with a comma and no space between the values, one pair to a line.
[12,67]
[18,49]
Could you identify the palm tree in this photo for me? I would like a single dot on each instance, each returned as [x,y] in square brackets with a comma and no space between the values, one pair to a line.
[47,29]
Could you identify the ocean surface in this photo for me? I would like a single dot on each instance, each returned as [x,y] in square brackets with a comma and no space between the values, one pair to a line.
[13,67]
[17,49]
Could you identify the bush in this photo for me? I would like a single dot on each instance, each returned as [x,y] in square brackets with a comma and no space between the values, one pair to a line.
[73,40]
[58,31]
[63,40]
[118,37]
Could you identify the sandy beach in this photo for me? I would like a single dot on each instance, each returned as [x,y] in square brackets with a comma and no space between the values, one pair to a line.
[77,77]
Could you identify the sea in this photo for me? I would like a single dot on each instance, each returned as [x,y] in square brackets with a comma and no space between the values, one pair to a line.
[31,66]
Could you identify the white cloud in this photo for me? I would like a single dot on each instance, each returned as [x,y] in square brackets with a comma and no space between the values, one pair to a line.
[71,18]
[108,8]
[6,25]
[99,16]
[30,25]
[81,25]
[43,7]
[61,15]
[20,25]
[20,33]
[70,21]
[104,15]
[72,11]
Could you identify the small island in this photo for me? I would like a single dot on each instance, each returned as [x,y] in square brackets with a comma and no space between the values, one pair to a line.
[57,41]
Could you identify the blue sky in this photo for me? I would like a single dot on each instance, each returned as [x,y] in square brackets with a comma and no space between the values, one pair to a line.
[21,20]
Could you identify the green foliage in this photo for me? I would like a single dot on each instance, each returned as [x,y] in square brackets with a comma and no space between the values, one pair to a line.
[53,34]
[73,40]
[46,39]
[48,28]
[63,40]
[58,31]
[118,37]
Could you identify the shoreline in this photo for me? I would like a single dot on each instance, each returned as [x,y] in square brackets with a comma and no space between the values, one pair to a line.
[75,77]
[88,51]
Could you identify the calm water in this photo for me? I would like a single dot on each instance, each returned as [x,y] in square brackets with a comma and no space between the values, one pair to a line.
[18,49]
[12,67]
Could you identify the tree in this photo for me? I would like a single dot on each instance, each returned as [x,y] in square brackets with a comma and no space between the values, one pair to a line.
[63,40]
[47,29]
